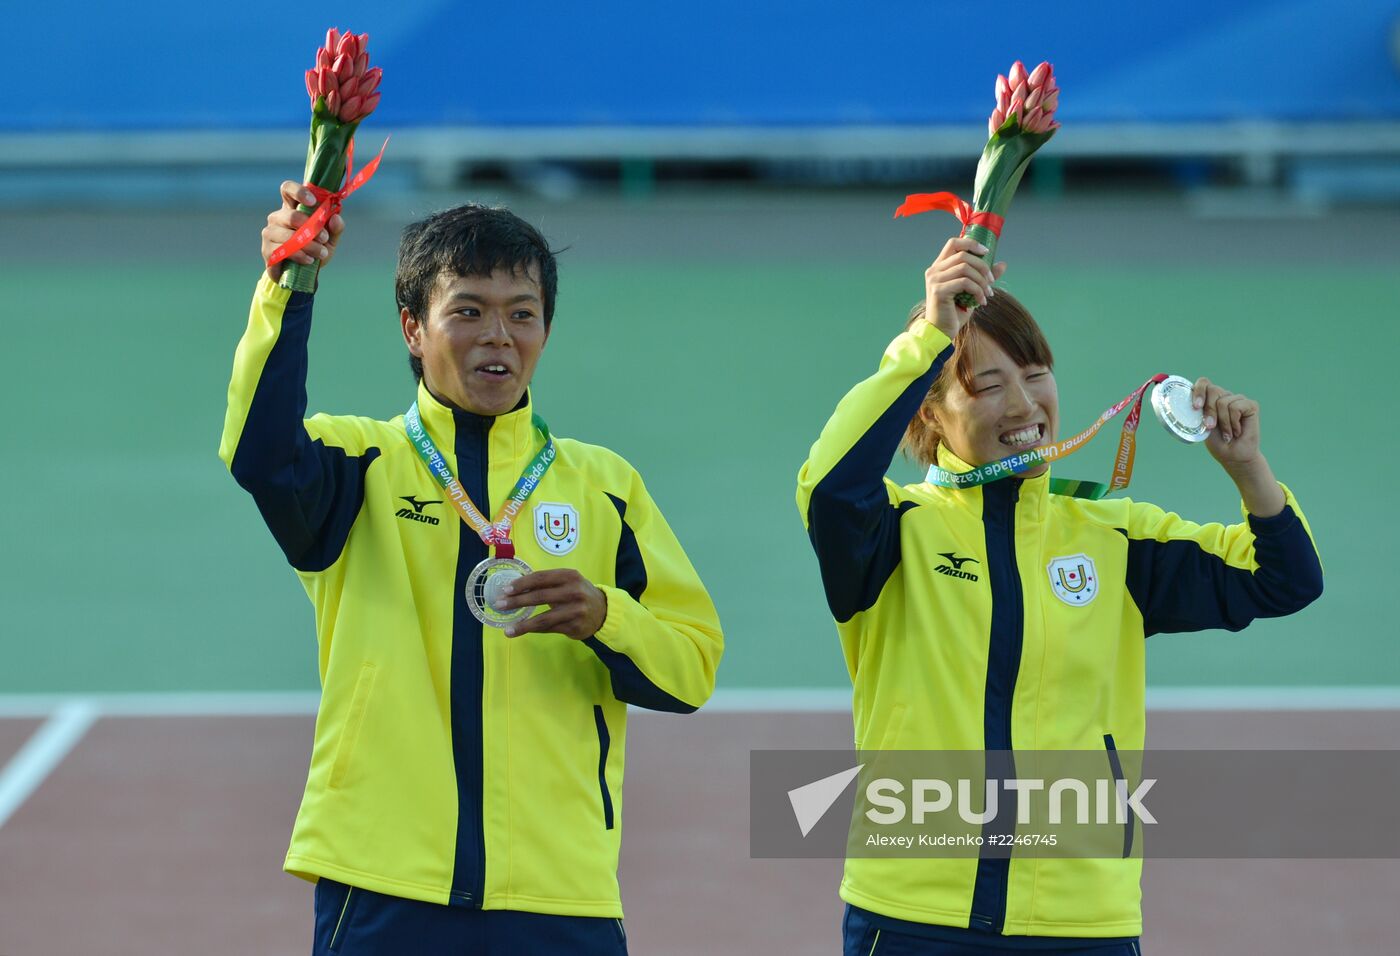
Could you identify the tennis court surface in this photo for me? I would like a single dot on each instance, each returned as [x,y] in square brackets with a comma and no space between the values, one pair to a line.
[157,824]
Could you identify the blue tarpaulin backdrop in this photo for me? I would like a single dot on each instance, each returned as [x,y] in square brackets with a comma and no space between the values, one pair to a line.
[561,63]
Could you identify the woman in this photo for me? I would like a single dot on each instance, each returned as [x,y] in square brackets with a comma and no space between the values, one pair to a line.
[1003,617]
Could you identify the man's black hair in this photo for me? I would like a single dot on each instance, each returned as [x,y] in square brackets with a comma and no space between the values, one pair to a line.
[469,240]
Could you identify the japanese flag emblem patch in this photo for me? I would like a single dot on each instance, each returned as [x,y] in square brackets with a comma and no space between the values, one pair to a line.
[1073,579]
[556,527]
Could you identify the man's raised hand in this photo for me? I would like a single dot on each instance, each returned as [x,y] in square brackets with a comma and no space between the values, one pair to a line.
[287,219]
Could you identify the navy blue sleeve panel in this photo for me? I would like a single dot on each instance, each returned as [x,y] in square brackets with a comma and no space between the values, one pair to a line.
[630,571]
[853,526]
[308,493]
[629,684]
[1182,583]
[857,552]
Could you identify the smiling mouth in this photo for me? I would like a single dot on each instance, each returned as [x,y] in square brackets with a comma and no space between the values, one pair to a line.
[1024,437]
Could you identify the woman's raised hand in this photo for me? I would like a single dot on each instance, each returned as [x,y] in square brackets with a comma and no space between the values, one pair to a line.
[958,268]
[1233,421]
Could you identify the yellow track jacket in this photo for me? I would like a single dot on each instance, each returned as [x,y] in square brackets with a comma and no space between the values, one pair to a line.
[452,764]
[967,623]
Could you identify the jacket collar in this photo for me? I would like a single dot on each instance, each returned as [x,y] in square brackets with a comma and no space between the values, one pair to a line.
[512,435]
[1034,493]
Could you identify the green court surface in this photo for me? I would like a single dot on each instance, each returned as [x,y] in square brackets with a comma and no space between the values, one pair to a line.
[133,562]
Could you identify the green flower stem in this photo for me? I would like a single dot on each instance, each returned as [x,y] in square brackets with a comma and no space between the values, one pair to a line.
[1003,163]
[988,238]
[325,167]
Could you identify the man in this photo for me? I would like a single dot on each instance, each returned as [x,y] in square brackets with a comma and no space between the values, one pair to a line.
[464,793]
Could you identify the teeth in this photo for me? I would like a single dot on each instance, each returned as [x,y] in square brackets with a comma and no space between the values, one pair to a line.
[1025,436]
[495,368]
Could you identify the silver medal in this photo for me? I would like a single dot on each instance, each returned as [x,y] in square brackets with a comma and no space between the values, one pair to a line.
[1171,400]
[484,586]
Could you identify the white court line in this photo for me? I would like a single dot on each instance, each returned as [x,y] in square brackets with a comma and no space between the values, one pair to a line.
[822,700]
[42,752]
[67,717]
[1273,698]
[725,700]
[764,700]
[193,704]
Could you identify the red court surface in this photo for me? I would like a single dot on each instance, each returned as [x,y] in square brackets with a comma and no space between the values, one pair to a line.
[13,734]
[165,835]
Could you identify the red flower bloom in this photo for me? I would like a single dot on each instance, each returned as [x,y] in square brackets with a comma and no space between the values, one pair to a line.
[342,82]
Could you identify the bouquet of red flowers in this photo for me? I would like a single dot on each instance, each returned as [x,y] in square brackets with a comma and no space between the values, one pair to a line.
[344,89]
[1022,122]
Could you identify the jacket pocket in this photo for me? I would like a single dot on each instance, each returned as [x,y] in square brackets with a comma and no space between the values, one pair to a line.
[604,742]
[350,733]
[1116,766]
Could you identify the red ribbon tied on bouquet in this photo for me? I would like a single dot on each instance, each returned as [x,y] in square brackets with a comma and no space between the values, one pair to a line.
[947,202]
[328,203]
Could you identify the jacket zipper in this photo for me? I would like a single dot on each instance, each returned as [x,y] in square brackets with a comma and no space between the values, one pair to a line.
[993,877]
[478,877]
[1018,620]
[468,887]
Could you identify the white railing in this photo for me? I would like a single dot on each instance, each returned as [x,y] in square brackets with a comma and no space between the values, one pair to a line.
[437,148]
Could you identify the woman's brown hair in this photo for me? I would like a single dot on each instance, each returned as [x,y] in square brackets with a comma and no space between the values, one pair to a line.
[1006,322]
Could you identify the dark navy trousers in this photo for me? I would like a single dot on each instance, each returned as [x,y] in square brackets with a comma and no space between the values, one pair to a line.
[355,922]
[866,934]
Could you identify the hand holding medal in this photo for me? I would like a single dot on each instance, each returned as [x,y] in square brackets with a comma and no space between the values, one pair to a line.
[488,582]
[1204,412]
[487,588]
[1230,424]
[502,589]
[577,609]
[1180,410]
